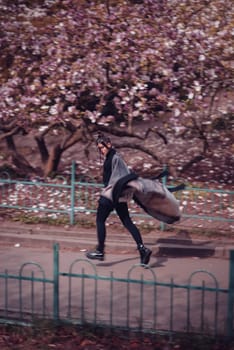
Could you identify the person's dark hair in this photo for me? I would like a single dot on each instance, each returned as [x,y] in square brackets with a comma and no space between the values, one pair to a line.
[104,140]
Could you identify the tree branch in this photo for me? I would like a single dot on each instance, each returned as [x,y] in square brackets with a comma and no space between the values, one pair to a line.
[11,132]
[140,148]
[154,131]
[188,165]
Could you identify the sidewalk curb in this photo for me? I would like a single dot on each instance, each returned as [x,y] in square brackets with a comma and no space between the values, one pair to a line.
[36,237]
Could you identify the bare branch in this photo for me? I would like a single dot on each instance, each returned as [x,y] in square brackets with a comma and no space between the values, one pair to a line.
[117,131]
[155,131]
[12,132]
[140,148]
[47,129]
[202,135]
[195,160]
[124,133]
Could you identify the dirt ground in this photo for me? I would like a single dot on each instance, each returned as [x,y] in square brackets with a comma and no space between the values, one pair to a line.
[46,337]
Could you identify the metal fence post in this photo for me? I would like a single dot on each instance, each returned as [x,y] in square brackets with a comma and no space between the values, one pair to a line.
[230,295]
[72,209]
[56,283]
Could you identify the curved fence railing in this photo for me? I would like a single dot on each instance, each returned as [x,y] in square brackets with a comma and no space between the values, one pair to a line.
[137,300]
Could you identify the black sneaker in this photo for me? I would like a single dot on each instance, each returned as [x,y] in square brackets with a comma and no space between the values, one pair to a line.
[95,255]
[145,254]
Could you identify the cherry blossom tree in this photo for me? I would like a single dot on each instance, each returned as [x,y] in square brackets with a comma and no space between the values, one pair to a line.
[74,67]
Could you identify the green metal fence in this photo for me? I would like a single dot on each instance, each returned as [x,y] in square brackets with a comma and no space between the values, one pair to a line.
[138,301]
[72,197]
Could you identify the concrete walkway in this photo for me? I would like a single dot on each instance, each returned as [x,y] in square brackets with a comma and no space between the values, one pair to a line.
[174,258]
[69,237]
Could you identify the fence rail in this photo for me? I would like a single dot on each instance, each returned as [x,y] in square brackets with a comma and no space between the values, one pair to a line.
[137,301]
[72,197]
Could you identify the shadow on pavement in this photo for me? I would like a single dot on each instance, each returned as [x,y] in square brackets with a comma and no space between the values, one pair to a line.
[182,245]
[159,261]
[112,263]
[154,261]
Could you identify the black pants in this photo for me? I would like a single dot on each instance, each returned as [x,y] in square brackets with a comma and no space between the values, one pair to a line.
[105,207]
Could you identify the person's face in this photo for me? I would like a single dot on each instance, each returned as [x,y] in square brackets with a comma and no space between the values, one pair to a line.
[103,149]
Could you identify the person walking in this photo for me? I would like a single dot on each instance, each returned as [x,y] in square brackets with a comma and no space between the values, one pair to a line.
[114,168]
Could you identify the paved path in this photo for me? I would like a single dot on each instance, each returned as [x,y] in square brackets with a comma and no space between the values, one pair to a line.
[108,298]
[164,267]
[73,238]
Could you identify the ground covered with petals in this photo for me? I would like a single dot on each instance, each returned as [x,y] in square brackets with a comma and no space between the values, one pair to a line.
[86,338]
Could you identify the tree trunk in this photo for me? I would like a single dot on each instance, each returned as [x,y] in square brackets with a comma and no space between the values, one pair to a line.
[22,165]
[53,160]
[42,149]
[10,143]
